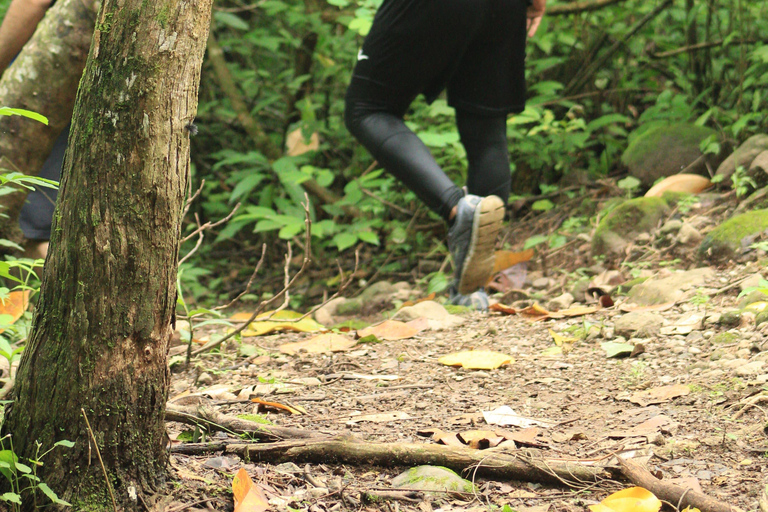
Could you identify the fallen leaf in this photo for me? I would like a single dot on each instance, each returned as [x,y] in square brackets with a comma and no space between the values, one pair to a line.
[477,359]
[552,351]
[384,417]
[320,344]
[559,339]
[634,499]
[646,428]
[248,496]
[659,395]
[691,183]
[504,416]
[509,278]
[279,406]
[480,439]
[757,307]
[525,436]
[577,311]
[390,330]
[538,312]
[503,309]
[272,321]
[420,324]
[440,436]
[410,303]
[613,349]
[13,306]
[296,144]
[507,259]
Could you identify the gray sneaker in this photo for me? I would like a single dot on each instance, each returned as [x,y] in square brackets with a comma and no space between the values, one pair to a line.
[476,300]
[472,240]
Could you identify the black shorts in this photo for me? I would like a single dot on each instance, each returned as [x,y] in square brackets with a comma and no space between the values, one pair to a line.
[473,48]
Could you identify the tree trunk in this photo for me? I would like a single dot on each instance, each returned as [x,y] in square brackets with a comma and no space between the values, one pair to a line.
[101,333]
[44,79]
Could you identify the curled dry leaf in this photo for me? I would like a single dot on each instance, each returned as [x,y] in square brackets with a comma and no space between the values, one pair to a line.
[634,499]
[248,496]
[320,344]
[659,395]
[272,321]
[503,309]
[477,359]
[391,330]
[691,183]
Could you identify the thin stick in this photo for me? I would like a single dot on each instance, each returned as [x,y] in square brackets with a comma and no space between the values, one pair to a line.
[98,454]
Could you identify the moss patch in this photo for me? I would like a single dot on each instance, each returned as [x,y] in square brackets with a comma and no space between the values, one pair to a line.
[625,222]
[724,241]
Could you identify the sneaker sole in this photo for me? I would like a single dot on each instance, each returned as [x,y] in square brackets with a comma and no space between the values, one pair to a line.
[478,266]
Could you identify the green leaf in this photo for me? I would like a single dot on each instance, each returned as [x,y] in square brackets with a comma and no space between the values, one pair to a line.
[291,230]
[613,349]
[65,443]
[344,240]
[534,241]
[11,497]
[8,111]
[52,495]
[7,461]
[230,20]
[368,237]
[542,205]
[629,183]
[23,468]
[438,283]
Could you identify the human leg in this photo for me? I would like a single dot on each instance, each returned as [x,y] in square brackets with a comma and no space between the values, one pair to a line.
[485,141]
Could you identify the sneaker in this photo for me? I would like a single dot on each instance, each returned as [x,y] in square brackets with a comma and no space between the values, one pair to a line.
[476,300]
[472,240]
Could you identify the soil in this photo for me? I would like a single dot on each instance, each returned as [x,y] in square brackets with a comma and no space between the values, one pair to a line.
[712,434]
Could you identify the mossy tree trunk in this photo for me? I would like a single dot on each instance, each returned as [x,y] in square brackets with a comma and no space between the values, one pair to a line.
[44,79]
[101,333]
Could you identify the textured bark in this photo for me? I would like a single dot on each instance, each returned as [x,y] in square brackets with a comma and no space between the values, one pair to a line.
[102,330]
[43,79]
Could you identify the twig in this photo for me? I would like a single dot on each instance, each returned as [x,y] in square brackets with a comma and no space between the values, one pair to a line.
[702,46]
[250,281]
[192,197]
[576,7]
[209,225]
[98,454]
[189,505]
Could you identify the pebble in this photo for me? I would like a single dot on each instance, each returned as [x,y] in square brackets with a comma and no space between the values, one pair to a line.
[204,379]
[540,283]
[733,363]
[694,336]
[753,368]
[694,350]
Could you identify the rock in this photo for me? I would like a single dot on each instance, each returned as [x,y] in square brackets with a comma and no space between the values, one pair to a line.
[671,226]
[752,281]
[437,316]
[733,363]
[669,289]
[743,156]
[349,307]
[541,283]
[204,379]
[639,324]
[325,314]
[666,149]
[751,298]
[432,478]
[688,235]
[579,288]
[758,169]
[756,201]
[564,301]
[749,369]
[725,241]
[730,318]
[625,222]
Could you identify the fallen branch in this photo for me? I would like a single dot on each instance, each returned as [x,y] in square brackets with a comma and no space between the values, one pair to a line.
[213,420]
[703,46]
[501,465]
[671,493]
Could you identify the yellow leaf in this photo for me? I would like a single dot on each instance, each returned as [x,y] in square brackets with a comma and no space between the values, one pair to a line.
[634,499]
[691,183]
[757,307]
[14,305]
[271,321]
[689,509]
[389,330]
[320,344]
[506,259]
[248,497]
[560,339]
[477,359]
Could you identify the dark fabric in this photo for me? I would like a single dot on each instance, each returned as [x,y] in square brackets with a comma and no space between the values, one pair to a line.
[37,213]
[474,48]
[379,126]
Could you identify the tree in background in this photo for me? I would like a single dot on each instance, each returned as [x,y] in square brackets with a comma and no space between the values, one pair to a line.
[103,325]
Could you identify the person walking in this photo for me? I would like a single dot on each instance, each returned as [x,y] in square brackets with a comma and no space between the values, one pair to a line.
[36,215]
[475,50]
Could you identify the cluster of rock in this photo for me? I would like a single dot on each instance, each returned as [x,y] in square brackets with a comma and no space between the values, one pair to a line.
[667,149]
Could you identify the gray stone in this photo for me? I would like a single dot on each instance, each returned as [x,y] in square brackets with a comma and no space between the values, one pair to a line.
[752,281]
[432,478]
[743,156]
[666,149]
[670,288]
[728,239]
[437,316]
[325,314]
[564,301]
[625,222]
[205,379]
[671,226]
[749,369]
[639,323]
[732,364]
[758,170]
[689,235]
[540,283]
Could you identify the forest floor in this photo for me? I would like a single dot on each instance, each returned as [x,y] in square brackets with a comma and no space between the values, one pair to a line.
[690,402]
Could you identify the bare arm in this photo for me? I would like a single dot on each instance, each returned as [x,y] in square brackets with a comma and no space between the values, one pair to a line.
[535,12]
[18,26]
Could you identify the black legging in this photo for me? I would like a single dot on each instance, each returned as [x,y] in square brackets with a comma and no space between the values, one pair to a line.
[379,126]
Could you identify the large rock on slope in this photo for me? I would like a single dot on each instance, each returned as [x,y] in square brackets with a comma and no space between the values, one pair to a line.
[667,149]
[729,238]
[617,229]
[743,156]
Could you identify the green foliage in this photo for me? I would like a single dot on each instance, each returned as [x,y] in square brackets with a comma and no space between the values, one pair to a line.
[25,485]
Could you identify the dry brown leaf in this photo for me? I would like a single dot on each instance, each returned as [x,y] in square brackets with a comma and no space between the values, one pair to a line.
[390,330]
[410,303]
[480,439]
[14,305]
[506,259]
[659,395]
[477,359]
[420,324]
[296,144]
[525,436]
[537,312]
[320,344]
[691,183]
[248,496]
[503,309]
